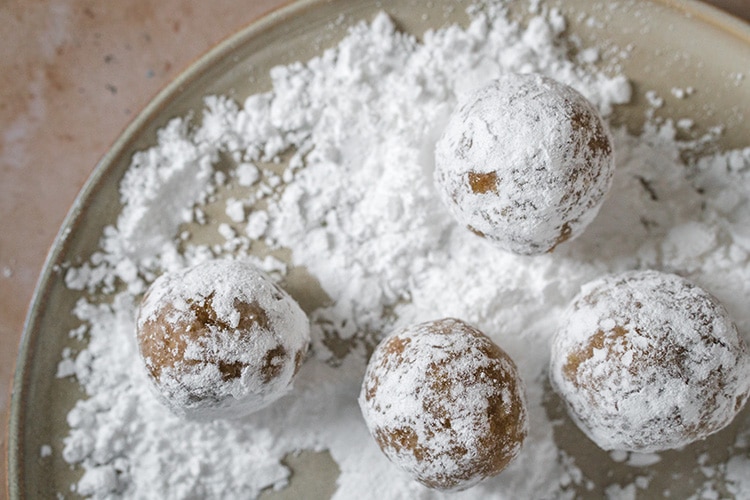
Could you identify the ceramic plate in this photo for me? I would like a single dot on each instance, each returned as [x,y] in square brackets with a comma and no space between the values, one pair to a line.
[673,44]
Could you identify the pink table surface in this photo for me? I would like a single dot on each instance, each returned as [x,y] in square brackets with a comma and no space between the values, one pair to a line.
[73,74]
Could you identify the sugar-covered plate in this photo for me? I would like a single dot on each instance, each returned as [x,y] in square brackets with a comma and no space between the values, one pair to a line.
[684,61]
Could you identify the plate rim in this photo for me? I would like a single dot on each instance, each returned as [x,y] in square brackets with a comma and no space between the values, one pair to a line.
[712,15]
[706,13]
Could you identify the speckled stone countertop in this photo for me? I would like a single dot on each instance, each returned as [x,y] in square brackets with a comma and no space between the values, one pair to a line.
[73,74]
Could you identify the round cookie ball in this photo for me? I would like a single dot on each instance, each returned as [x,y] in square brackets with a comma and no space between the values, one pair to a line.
[444,403]
[220,339]
[648,361]
[525,162]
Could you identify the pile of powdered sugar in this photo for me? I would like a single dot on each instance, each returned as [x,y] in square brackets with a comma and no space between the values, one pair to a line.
[357,208]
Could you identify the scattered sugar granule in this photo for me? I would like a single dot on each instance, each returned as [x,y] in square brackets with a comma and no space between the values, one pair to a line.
[682,93]
[737,476]
[257,223]
[654,100]
[643,459]
[235,210]
[618,492]
[685,123]
[247,174]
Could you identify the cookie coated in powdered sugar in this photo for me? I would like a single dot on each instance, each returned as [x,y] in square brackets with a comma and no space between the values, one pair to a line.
[648,361]
[525,161]
[220,339]
[444,403]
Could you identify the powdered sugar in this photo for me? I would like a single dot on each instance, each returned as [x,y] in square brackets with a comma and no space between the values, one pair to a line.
[361,215]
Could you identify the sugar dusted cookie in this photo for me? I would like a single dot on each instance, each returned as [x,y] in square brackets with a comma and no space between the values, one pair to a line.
[525,162]
[648,361]
[444,403]
[220,339]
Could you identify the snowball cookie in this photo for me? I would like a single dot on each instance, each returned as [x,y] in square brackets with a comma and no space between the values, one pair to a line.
[444,403]
[220,339]
[647,361]
[525,162]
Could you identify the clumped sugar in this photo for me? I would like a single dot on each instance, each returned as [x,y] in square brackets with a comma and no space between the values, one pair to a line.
[356,208]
